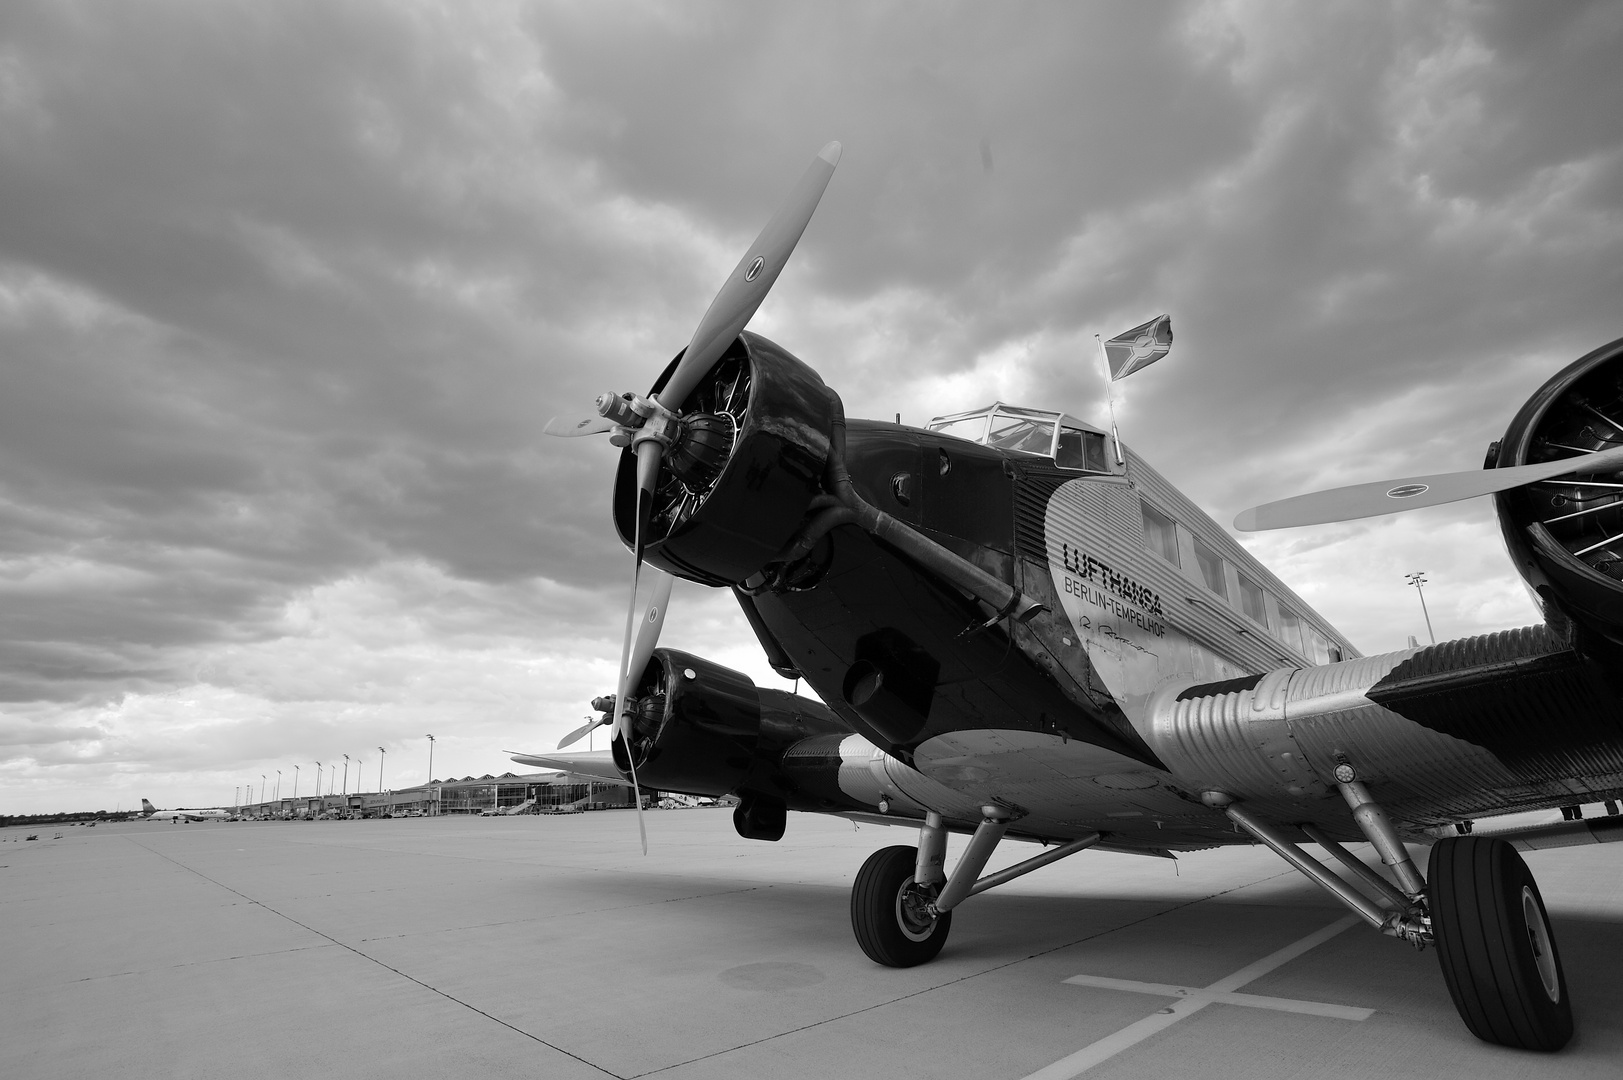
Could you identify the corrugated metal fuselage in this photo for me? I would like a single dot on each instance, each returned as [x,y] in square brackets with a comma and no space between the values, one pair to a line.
[1137,688]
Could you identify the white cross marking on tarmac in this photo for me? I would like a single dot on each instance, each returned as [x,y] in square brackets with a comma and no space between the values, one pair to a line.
[1193,999]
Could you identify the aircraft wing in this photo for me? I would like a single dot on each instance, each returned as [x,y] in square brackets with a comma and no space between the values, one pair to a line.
[1495,723]
[594,763]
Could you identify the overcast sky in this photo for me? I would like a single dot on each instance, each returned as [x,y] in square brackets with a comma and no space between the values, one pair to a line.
[287,292]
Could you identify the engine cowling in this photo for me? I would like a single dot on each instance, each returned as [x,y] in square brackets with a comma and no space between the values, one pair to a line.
[694,725]
[1566,535]
[703,729]
[739,479]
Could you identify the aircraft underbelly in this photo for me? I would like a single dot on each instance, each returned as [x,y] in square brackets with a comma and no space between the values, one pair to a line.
[1061,785]
[1058,789]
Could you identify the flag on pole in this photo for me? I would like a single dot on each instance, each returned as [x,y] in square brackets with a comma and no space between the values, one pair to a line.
[1139,347]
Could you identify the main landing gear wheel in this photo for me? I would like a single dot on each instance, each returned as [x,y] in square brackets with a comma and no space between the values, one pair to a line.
[889,914]
[1494,943]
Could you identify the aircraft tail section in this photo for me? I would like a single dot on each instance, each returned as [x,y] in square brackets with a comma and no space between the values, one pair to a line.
[147,809]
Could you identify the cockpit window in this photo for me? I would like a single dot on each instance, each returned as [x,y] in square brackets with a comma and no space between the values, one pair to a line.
[1022,433]
[972,428]
[1080,449]
[1072,443]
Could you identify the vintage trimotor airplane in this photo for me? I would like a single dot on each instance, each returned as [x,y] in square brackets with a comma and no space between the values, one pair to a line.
[1022,630]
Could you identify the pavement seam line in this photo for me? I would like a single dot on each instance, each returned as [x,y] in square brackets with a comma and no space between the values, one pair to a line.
[374,960]
[959,979]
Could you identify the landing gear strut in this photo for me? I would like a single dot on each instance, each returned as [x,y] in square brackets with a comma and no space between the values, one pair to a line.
[902,900]
[1479,906]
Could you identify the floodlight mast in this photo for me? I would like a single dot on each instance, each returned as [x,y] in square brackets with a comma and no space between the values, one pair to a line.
[1418,580]
[431,799]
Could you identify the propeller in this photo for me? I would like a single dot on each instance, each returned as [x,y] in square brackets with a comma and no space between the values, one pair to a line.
[651,426]
[1413,492]
[647,636]
[573,427]
[580,733]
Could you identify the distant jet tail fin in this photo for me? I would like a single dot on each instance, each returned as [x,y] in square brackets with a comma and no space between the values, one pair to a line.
[147,808]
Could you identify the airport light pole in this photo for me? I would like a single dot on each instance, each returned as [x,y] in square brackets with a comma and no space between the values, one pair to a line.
[1418,580]
[346,776]
[295,781]
[261,787]
[431,776]
[318,779]
[381,752]
[278,785]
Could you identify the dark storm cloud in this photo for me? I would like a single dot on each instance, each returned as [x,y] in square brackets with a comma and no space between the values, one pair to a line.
[237,363]
[1069,98]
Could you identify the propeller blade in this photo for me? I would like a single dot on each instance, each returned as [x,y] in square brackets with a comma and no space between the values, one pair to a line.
[637,657]
[570,427]
[751,279]
[653,620]
[648,455]
[642,634]
[1413,492]
[636,793]
[622,706]
[580,733]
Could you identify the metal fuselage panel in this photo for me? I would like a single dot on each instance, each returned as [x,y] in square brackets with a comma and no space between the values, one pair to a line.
[1137,689]
[1041,716]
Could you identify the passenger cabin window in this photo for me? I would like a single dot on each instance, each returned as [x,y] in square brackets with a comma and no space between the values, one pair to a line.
[1160,534]
[1211,568]
[1324,650]
[1251,600]
[1289,630]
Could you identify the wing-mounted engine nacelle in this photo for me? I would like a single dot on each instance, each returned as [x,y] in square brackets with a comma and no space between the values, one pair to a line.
[743,470]
[701,729]
[1566,535]
[694,727]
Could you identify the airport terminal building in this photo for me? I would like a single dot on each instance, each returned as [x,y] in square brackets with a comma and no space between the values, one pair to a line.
[532,793]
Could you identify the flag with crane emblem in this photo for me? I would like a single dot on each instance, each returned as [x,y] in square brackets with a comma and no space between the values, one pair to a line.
[1139,347]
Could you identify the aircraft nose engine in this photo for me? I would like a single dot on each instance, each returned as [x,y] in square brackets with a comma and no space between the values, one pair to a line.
[743,470]
[1566,534]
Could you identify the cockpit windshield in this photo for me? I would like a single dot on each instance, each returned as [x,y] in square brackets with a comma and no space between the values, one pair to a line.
[1024,433]
[1072,443]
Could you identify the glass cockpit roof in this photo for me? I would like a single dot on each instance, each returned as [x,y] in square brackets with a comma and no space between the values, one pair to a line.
[1070,441]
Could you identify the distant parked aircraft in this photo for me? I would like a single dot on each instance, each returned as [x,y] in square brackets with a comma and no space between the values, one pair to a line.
[152,813]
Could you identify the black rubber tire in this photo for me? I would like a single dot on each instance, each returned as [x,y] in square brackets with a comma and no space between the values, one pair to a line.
[877,914]
[1495,945]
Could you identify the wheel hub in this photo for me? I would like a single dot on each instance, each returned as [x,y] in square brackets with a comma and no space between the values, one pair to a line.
[1538,937]
[913,912]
